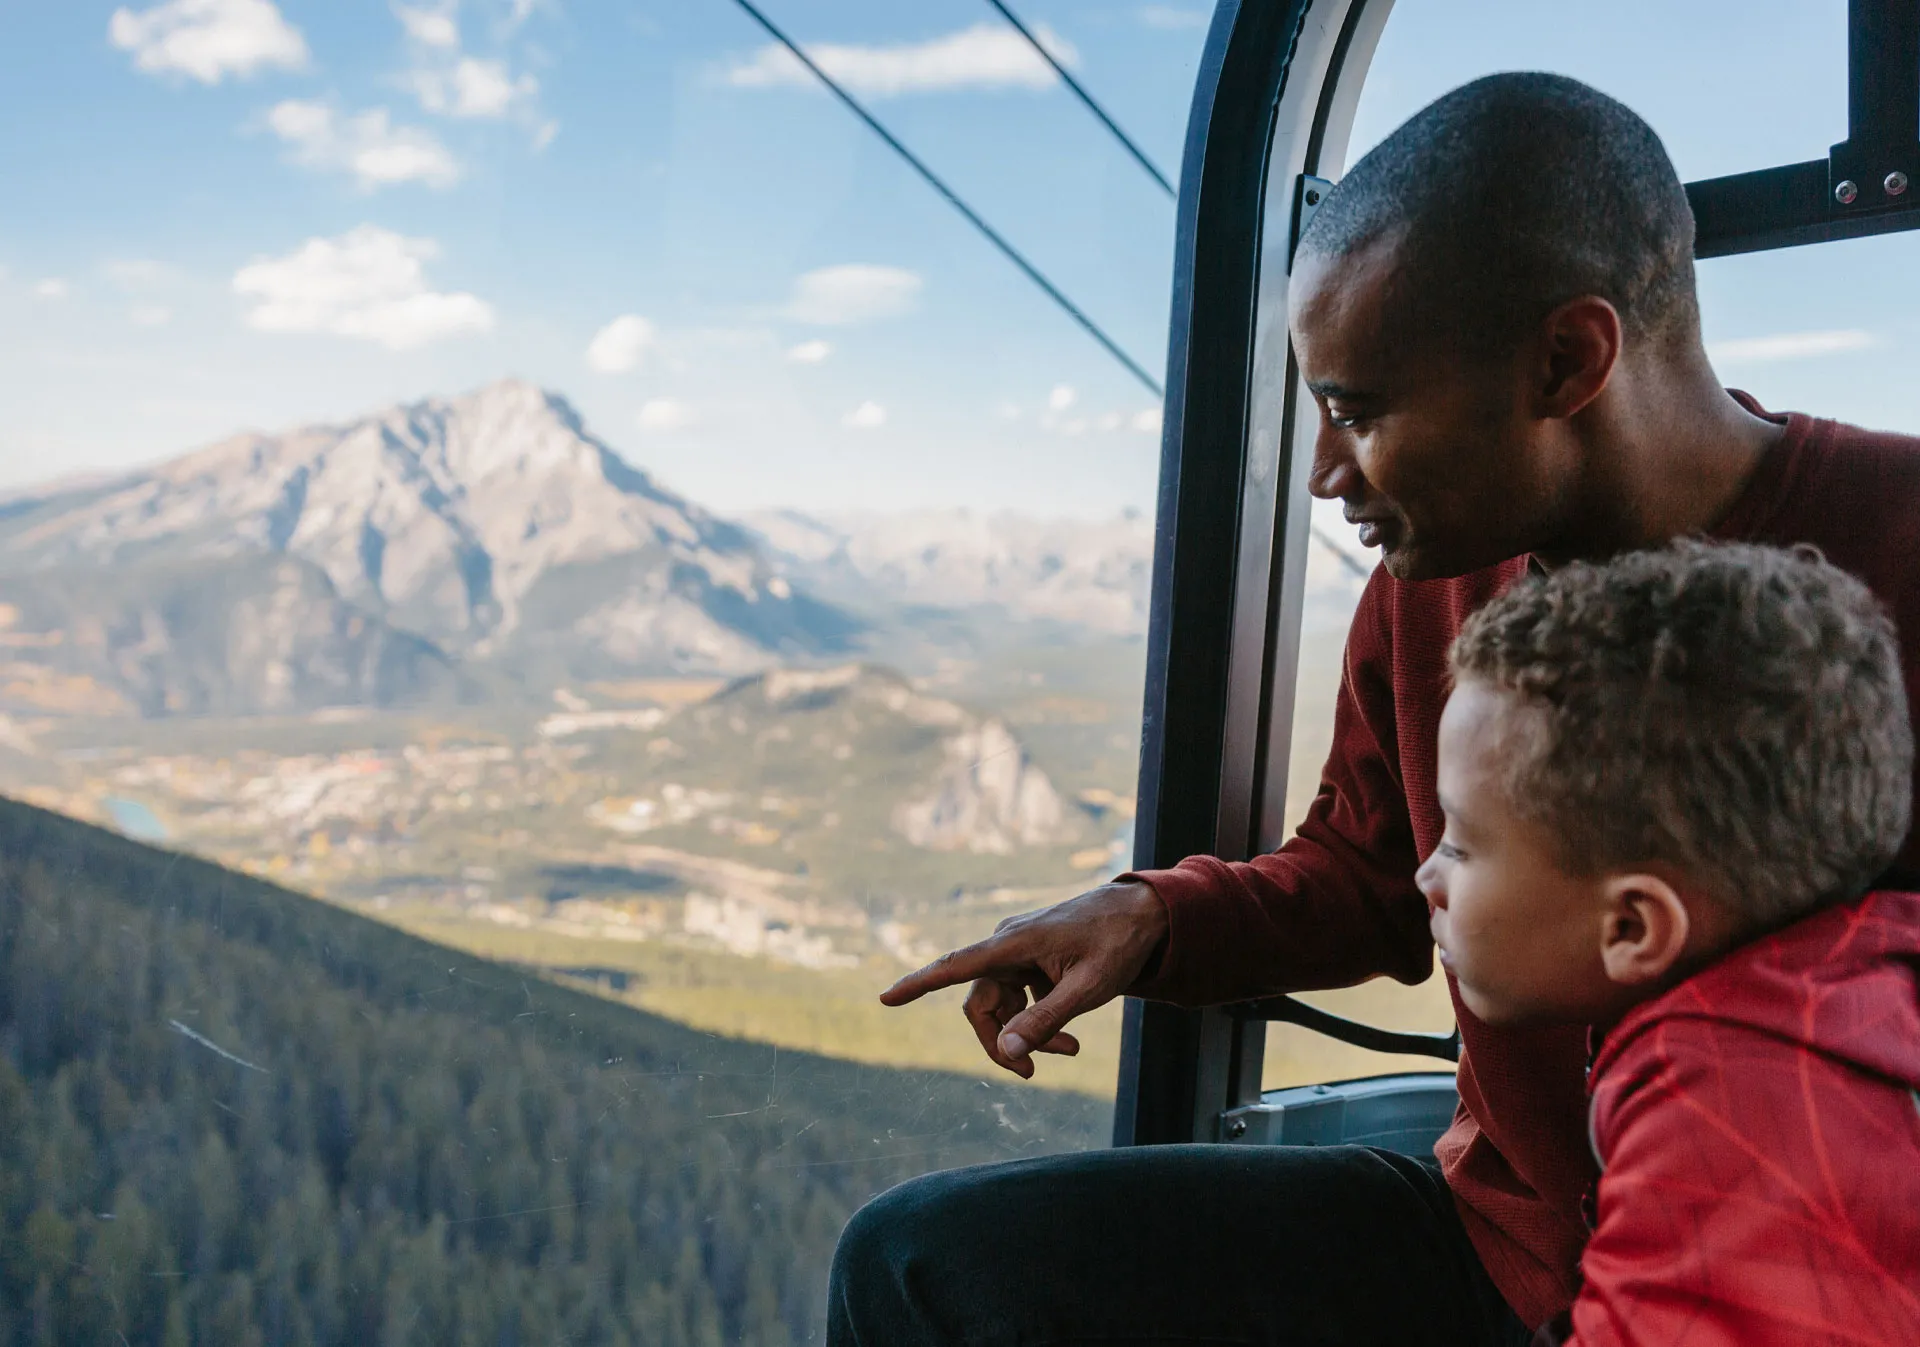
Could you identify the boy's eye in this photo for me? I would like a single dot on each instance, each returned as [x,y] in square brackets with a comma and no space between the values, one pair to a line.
[1449,851]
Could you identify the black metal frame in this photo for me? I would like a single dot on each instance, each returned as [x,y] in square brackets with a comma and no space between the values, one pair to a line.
[1868,184]
[1273,106]
[1229,555]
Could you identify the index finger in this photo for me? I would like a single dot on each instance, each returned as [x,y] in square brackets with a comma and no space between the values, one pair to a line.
[949,970]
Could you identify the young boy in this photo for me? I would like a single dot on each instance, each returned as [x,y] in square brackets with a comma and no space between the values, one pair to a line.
[1668,783]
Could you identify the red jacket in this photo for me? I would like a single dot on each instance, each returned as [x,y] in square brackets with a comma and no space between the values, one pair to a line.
[1759,1129]
[1337,904]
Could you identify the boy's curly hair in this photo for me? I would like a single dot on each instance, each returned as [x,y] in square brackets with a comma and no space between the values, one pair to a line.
[1736,712]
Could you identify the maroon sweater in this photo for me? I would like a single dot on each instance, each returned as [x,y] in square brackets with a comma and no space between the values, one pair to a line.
[1337,904]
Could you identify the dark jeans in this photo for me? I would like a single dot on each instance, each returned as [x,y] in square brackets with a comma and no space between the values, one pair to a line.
[1288,1246]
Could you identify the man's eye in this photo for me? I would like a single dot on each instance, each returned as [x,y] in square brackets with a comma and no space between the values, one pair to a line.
[1449,851]
[1344,420]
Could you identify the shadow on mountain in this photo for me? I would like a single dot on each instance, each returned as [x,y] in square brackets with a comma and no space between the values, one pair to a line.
[581,881]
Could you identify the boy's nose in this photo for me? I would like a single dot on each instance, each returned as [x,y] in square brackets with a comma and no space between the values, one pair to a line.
[1428,878]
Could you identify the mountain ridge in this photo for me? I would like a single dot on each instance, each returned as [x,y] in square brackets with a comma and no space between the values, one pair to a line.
[473,524]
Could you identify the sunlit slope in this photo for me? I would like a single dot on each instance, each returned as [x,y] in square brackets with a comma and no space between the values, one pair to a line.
[229,1113]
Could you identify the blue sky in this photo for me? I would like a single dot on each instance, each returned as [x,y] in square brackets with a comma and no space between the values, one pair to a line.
[227,214]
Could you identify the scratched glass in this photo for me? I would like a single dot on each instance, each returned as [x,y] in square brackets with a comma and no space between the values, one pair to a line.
[542,567]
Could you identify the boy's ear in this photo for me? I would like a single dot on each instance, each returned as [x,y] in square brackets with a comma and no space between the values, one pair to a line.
[1644,930]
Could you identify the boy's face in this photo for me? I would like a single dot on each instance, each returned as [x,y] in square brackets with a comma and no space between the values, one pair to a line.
[1521,935]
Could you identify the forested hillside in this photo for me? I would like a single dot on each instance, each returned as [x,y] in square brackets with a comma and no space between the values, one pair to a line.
[233,1115]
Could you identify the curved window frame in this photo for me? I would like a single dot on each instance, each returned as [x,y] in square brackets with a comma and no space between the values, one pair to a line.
[1274,103]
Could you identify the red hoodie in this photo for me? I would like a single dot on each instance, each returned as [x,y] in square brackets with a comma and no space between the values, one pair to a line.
[1759,1131]
[1337,904]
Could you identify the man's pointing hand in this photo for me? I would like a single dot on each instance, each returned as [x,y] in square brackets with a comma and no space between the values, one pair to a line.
[1073,957]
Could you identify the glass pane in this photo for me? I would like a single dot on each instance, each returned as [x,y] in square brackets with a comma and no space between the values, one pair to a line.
[542,479]
[1729,87]
[1337,571]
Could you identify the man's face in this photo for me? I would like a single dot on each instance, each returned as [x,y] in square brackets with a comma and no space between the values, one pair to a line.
[1521,935]
[1429,448]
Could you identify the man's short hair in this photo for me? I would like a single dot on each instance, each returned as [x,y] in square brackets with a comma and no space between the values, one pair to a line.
[1517,193]
[1733,711]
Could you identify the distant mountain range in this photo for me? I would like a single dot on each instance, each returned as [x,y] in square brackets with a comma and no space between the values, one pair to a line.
[1089,574]
[488,546]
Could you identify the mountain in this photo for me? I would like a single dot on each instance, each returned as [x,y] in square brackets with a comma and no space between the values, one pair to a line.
[492,530]
[206,637]
[849,776]
[1089,575]
[232,1114]
[956,780]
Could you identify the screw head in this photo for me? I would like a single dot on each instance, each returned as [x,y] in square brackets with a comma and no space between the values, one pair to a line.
[1313,196]
[1896,183]
[1236,1129]
[1846,192]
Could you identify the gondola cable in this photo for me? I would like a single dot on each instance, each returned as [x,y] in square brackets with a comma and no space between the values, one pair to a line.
[973,217]
[1126,141]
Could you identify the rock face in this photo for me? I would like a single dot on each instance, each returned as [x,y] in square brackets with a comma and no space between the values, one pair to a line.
[985,794]
[988,798]
[491,529]
[195,638]
[858,750]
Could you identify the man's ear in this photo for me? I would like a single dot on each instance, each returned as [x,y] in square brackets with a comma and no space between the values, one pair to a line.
[1645,929]
[1582,345]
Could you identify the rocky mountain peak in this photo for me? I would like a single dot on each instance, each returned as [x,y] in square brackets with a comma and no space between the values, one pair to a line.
[492,525]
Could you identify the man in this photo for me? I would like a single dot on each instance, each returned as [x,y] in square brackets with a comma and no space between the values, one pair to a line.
[1495,311]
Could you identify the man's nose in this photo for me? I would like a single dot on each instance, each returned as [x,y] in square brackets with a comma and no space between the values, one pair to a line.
[1335,474]
[1427,877]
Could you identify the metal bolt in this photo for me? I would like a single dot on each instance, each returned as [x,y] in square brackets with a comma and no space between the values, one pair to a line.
[1846,193]
[1313,196]
[1896,183]
[1236,1129]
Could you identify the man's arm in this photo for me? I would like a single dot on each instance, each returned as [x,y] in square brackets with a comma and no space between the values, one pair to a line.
[1333,907]
[1336,904]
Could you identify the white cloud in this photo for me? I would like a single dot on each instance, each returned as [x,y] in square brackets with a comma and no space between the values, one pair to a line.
[367,145]
[1146,421]
[810,352]
[985,56]
[51,288]
[621,344]
[1788,346]
[1172,17]
[867,416]
[208,39]
[666,415]
[1062,397]
[1110,421]
[473,87]
[150,315]
[368,283]
[854,293]
[430,27]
